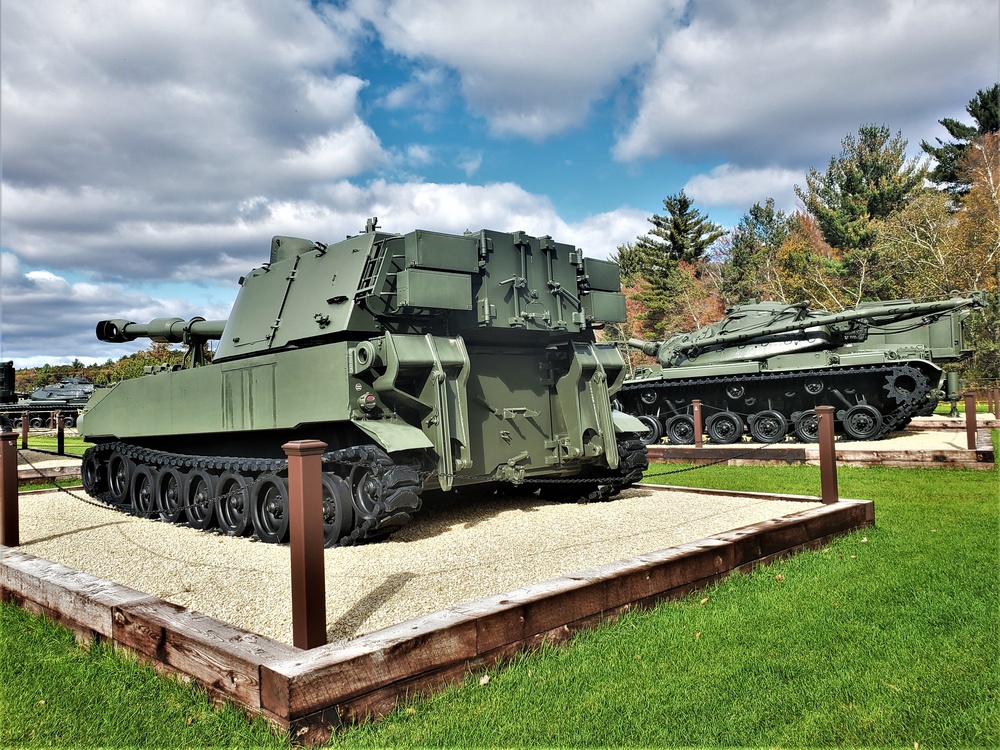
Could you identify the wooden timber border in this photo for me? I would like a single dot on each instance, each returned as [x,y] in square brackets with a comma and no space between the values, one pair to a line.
[311,692]
[865,454]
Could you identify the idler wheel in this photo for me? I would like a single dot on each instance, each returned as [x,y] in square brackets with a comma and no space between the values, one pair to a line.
[232,504]
[724,427]
[270,510]
[862,422]
[768,426]
[199,499]
[120,471]
[654,429]
[170,494]
[367,494]
[93,474]
[807,426]
[680,429]
[338,510]
[143,492]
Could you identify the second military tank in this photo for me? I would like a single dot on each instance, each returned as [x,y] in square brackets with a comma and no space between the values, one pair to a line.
[766,366]
[64,398]
[427,362]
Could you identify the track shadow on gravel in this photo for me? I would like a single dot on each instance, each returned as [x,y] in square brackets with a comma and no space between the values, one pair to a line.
[467,509]
[350,623]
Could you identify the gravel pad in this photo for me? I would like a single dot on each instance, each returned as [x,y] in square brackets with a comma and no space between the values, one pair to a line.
[464,550]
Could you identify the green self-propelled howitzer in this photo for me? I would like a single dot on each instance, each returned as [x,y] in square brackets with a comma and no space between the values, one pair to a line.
[428,363]
[765,367]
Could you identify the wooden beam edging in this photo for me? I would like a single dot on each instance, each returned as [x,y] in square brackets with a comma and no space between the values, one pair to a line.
[311,692]
[365,677]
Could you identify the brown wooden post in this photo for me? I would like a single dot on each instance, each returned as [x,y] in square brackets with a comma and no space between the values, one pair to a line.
[696,408]
[305,538]
[9,531]
[996,403]
[25,426]
[970,420]
[827,456]
[60,434]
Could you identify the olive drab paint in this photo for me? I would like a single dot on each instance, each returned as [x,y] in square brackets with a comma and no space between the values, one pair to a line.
[470,359]
[767,366]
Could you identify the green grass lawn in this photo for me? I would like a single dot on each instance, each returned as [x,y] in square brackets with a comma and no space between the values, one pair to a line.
[885,638]
[73,445]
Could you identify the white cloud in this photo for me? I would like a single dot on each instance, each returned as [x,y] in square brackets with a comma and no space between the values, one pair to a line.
[470,163]
[50,319]
[531,69]
[168,126]
[730,185]
[757,82]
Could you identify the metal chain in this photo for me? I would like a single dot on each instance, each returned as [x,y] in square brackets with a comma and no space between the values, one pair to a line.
[705,465]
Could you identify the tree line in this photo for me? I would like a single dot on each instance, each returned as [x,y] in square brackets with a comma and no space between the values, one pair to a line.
[129,366]
[873,226]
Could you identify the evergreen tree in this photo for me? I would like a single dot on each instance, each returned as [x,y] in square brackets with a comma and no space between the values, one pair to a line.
[984,108]
[683,234]
[631,263]
[869,181]
[753,251]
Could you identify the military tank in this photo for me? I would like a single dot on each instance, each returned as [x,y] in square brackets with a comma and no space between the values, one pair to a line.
[430,364]
[66,398]
[766,366]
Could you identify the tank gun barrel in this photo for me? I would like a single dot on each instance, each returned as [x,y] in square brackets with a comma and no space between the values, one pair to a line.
[670,350]
[875,314]
[649,348]
[162,330]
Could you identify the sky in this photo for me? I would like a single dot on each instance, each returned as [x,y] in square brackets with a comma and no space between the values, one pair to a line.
[150,149]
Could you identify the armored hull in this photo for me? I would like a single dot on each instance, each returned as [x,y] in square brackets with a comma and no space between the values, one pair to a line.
[426,362]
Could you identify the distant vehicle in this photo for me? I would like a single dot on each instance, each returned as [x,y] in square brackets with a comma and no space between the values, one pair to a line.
[766,366]
[67,398]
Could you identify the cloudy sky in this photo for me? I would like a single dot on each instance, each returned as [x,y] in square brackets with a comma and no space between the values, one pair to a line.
[151,148]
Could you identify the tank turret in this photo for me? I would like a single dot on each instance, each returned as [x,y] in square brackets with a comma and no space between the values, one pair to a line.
[69,391]
[427,362]
[766,366]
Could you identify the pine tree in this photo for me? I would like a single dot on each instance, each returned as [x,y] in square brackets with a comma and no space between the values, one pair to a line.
[984,109]
[869,181]
[753,251]
[683,234]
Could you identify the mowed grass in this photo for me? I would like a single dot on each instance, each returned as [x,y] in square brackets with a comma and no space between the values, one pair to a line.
[73,445]
[884,638]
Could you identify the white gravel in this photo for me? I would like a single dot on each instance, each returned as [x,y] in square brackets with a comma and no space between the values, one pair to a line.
[472,549]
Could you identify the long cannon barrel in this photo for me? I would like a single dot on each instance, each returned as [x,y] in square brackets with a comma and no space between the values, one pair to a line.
[162,330]
[877,314]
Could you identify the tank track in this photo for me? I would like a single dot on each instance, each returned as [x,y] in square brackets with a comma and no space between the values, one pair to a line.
[598,484]
[366,495]
[661,399]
